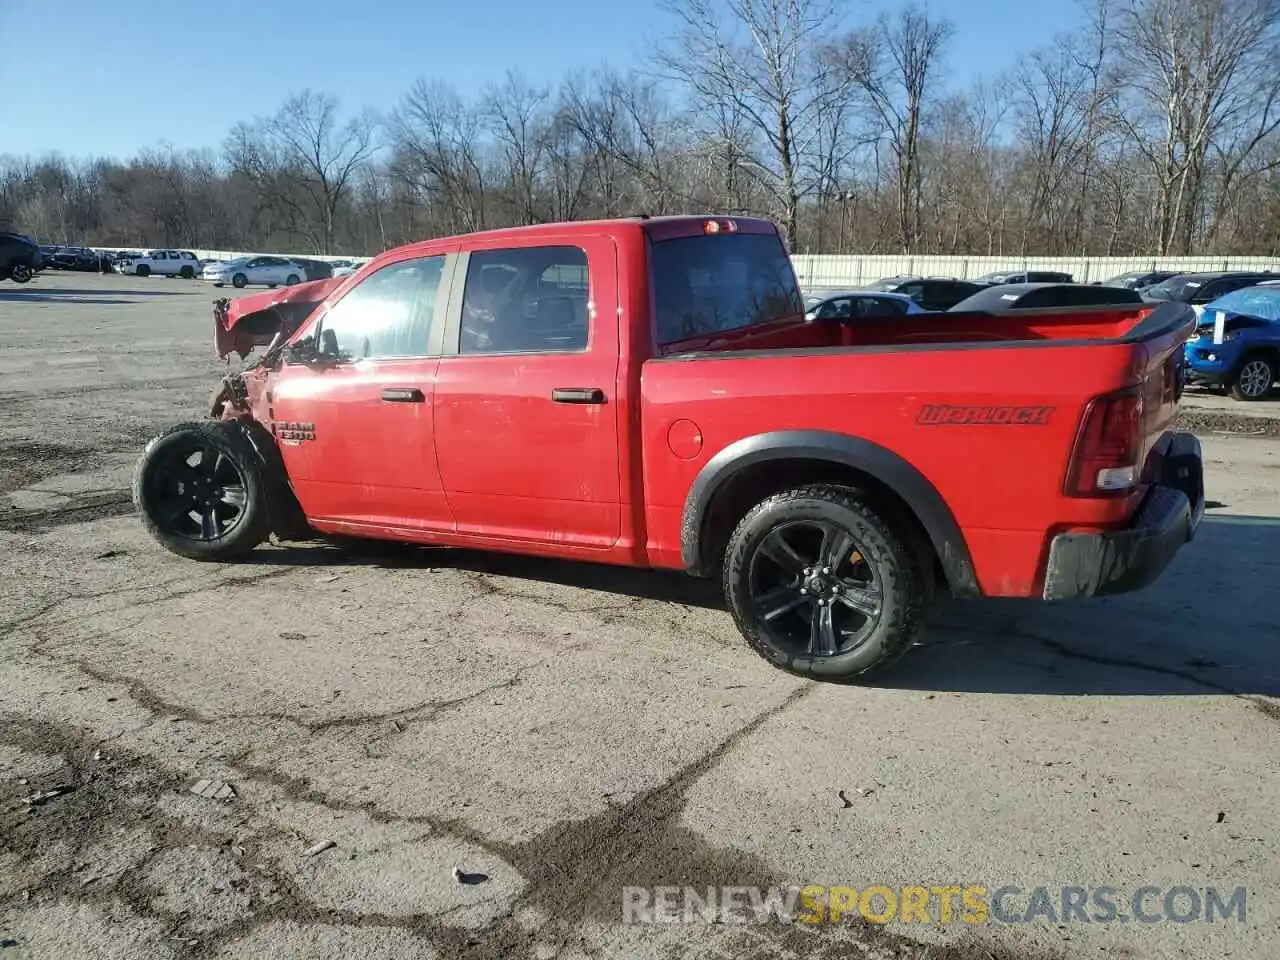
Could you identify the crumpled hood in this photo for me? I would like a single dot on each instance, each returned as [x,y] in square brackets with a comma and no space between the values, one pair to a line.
[250,321]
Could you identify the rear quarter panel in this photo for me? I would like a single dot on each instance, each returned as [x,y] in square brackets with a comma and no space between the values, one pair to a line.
[1002,481]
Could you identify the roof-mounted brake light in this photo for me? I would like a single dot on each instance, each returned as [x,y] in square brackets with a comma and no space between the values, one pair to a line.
[719,226]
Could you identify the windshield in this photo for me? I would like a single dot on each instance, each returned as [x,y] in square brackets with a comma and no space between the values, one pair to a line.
[994,277]
[1176,288]
[1260,302]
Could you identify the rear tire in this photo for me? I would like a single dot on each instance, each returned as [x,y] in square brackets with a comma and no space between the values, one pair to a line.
[214,509]
[291,280]
[1254,378]
[865,588]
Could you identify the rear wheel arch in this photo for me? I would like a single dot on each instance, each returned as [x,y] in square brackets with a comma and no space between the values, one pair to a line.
[749,470]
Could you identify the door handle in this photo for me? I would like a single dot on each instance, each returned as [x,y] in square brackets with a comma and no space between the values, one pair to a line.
[577,395]
[402,395]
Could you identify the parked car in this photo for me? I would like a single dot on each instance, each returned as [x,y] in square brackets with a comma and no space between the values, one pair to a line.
[1236,346]
[161,263]
[19,257]
[344,268]
[1199,289]
[314,269]
[830,490]
[80,259]
[853,304]
[932,293]
[1038,296]
[1137,279]
[1024,276]
[254,271]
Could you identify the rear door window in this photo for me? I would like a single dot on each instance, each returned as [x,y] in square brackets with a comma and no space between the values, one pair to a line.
[526,300]
[884,307]
[840,309]
[705,285]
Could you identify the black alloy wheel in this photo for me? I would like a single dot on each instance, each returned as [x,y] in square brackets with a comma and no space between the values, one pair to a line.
[814,589]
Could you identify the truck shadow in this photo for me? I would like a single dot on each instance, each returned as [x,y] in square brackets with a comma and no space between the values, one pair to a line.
[1211,624]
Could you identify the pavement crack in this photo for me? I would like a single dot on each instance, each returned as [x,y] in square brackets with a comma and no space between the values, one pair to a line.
[213,583]
[405,717]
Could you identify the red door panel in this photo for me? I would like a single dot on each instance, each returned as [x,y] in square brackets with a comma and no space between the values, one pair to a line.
[373,457]
[516,462]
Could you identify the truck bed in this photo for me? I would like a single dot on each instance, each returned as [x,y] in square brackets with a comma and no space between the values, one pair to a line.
[985,407]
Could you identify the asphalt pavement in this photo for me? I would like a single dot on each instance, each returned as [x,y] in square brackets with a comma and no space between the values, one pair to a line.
[406,752]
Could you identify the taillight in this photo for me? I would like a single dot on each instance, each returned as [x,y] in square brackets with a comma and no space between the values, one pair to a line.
[1104,461]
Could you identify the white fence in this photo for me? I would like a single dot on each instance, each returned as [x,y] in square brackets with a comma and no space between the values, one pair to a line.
[825,271]
[818,271]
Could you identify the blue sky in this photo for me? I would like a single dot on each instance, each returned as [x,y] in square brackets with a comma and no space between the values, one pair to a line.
[108,79]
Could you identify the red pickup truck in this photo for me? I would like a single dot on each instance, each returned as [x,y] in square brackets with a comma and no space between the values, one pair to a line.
[648,392]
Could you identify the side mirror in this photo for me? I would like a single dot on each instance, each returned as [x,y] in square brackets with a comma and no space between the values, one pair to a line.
[312,352]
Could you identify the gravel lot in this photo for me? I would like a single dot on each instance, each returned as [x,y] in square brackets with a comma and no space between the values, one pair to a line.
[567,730]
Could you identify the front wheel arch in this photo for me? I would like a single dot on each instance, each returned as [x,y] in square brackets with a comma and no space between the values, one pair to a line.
[747,471]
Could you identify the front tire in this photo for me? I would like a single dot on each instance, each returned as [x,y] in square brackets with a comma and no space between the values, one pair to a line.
[143,271]
[239,281]
[200,492]
[1254,378]
[821,583]
[20,273]
[187,273]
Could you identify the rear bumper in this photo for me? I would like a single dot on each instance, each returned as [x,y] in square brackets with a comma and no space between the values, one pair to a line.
[1117,561]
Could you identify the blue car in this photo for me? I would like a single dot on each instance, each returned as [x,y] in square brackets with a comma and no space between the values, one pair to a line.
[1236,345]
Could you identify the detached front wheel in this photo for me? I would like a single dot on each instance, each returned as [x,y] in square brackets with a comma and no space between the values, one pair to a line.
[199,490]
[821,584]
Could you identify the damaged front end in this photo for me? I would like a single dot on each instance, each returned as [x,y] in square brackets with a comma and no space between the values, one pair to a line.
[259,320]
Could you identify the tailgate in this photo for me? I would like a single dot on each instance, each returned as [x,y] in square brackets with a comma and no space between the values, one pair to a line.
[1160,363]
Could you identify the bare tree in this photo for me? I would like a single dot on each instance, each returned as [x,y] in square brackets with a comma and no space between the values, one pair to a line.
[1198,72]
[1154,129]
[322,154]
[437,139]
[893,64]
[516,114]
[764,58]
